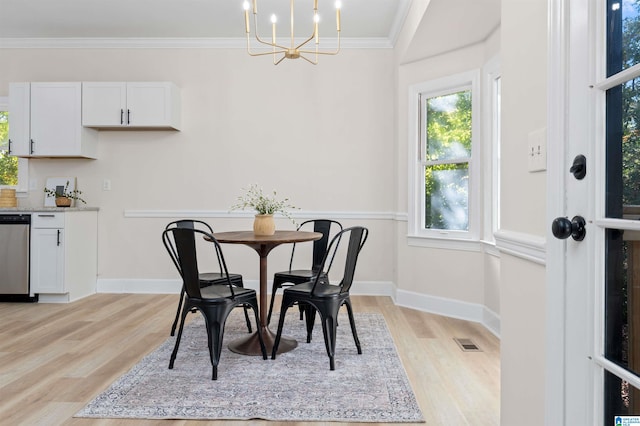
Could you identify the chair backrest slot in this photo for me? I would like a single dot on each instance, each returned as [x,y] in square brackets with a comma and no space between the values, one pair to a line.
[357,235]
[180,242]
[323,226]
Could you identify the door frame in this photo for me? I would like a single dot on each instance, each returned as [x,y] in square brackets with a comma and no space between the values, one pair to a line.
[570,375]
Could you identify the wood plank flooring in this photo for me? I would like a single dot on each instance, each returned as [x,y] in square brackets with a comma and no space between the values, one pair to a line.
[55,358]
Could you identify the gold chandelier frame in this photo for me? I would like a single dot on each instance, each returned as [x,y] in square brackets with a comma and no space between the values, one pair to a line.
[293,51]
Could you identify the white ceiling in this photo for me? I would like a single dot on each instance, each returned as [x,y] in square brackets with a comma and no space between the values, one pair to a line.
[448,24]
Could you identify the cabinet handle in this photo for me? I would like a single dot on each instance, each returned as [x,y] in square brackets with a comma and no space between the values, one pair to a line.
[9,146]
[121,116]
[58,237]
[31,146]
[128,116]
[46,215]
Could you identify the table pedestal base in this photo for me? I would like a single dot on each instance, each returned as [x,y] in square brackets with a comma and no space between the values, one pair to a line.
[250,345]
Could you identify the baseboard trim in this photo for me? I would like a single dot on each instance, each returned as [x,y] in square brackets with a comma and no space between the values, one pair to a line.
[450,308]
[422,302]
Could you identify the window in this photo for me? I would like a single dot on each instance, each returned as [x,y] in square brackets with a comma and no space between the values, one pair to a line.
[13,170]
[444,183]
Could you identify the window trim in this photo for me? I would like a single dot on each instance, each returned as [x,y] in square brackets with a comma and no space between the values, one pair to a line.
[492,135]
[445,85]
[22,189]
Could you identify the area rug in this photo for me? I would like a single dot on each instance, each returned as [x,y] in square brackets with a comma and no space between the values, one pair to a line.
[296,386]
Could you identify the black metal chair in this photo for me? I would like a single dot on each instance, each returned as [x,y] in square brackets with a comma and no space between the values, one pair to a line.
[326,298]
[214,302]
[206,278]
[298,276]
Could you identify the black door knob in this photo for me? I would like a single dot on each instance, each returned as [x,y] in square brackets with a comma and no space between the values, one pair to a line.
[564,228]
[579,167]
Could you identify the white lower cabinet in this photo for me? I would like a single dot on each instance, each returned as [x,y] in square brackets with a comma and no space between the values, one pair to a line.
[63,255]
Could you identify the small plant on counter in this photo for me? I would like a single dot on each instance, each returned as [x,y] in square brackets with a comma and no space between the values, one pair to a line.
[262,204]
[64,193]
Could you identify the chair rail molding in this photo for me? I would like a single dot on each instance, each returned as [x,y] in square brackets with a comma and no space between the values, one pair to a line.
[525,246]
[362,215]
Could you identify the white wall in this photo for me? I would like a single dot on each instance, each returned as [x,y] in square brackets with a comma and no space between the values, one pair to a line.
[321,135]
[524,109]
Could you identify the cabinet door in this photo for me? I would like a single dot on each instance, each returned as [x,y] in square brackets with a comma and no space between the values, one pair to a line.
[104,104]
[47,260]
[55,118]
[152,104]
[19,131]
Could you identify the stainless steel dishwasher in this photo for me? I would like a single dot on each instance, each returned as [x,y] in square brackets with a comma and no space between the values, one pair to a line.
[14,258]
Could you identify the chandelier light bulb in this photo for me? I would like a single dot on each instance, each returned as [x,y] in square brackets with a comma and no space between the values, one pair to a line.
[298,47]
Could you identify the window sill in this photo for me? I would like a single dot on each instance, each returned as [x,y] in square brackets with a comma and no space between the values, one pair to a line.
[445,243]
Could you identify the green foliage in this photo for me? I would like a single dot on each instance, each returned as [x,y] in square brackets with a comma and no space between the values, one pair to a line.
[631,115]
[448,138]
[8,164]
[263,204]
[64,192]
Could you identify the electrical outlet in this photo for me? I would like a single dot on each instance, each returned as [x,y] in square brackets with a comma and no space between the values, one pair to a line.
[537,150]
[106,185]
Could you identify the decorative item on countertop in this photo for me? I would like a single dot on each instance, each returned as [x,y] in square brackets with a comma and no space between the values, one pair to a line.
[8,198]
[63,195]
[265,206]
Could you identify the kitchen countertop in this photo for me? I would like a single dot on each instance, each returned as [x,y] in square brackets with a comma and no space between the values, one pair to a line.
[46,209]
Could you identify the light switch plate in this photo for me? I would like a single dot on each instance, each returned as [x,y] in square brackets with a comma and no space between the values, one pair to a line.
[106,185]
[537,150]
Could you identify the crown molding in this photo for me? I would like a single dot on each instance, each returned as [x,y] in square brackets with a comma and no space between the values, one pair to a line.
[170,43]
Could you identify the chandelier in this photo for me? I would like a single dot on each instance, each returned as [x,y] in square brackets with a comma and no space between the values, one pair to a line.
[293,51]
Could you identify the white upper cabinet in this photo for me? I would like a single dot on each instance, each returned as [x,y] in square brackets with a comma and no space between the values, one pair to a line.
[46,121]
[20,129]
[154,105]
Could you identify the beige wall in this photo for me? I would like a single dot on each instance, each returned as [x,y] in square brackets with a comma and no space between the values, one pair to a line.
[321,135]
[435,271]
[524,107]
[341,129]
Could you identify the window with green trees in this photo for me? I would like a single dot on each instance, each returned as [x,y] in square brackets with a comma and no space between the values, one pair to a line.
[445,177]
[8,163]
[448,153]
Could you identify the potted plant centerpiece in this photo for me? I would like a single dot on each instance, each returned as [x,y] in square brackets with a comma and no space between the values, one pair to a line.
[265,207]
[64,196]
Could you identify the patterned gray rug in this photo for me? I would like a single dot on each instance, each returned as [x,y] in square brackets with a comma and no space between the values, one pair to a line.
[296,386]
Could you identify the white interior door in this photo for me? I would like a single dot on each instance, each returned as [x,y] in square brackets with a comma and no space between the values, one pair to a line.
[594,279]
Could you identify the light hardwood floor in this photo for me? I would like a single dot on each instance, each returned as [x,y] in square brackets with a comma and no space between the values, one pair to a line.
[54,358]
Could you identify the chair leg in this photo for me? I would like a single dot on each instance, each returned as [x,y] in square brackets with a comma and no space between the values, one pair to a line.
[353,326]
[214,334]
[274,288]
[276,343]
[177,345]
[263,347]
[311,319]
[215,319]
[329,327]
[175,321]
[246,317]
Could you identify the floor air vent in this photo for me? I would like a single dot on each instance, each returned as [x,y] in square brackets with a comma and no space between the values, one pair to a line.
[467,345]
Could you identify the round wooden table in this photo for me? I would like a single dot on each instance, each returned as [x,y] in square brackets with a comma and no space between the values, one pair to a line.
[250,345]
